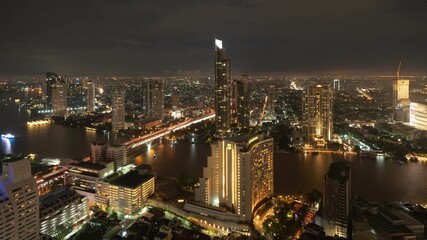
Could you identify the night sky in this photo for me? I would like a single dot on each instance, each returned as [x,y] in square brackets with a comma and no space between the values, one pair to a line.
[175,37]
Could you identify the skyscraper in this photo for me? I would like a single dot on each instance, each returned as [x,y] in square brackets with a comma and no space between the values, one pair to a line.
[238,175]
[336,198]
[401,102]
[317,103]
[51,78]
[241,102]
[337,85]
[19,201]
[90,96]
[155,99]
[59,98]
[118,110]
[222,90]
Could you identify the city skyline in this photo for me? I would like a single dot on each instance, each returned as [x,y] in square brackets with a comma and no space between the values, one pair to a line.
[128,37]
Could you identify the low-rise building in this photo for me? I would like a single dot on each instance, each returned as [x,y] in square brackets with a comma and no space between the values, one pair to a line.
[60,209]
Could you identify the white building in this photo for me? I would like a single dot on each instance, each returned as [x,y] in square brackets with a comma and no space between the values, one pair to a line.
[62,208]
[238,176]
[19,201]
[116,154]
[418,116]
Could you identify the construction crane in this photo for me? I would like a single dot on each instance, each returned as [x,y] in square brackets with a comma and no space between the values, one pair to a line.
[398,70]
[263,110]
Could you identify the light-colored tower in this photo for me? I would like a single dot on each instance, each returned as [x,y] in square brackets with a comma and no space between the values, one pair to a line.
[155,99]
[337,85]
[239,174]
[317,121]
[401,102]
[59,99]
[98,152]
[336,199]
[118,110]
[19,201]
[222,90]
[90,96]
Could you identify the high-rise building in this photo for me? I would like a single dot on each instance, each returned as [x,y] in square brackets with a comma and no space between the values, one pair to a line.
[51,78]
[19,201]
[175,100]
[241,99]
[118,110]
[116,154]
[336,199]
[222,91]
[419,115]
[98,152]
[337,85]
[401,102]
[155,99]
[238,175]
[90,96]
[62,208]
[59,99]
[317,121]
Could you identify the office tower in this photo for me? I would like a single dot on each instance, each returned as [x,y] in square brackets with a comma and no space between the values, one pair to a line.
[222,91]
[238,175]
[59,99]
[418,115]
[118,110]
[337,85]
[116,154]
[317,122]
[155,99]
[19,201]
[241,99]
[401,102]
[51,78]
[336,198]
[90,96]
[175,100]
[98,152]
[62,208]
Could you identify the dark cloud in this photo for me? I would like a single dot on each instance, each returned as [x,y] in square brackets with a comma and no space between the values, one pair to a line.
[123,37]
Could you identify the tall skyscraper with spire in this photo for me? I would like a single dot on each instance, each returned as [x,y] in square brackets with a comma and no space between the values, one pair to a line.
[222,90]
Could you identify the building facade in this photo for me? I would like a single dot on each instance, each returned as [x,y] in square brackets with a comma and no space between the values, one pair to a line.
[401,102]
[129,192]
[241,99]
[155,99]
[51,78]
[90,96]
[59,99]
[62,208]
[418,115]
[117,110]
[98,152]
[317,121]
[222,90]
[116,154]
[238,175]
[19,201]
[336,199]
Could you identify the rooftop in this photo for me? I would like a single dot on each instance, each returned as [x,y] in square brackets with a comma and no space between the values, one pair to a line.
[131,180]
[88,165]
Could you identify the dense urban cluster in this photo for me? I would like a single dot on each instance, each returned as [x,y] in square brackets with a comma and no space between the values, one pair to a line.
[247,121]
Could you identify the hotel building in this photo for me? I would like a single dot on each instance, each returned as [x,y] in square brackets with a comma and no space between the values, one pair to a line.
[19,201]
[239,174]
